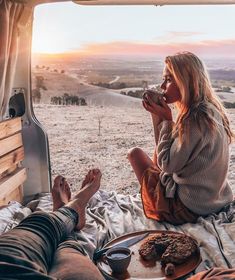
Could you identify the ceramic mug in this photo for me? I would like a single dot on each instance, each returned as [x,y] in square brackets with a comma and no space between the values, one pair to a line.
[118,259]
[154,95]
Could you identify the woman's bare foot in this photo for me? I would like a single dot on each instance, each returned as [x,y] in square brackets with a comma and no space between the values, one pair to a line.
[61,193]
[90,186]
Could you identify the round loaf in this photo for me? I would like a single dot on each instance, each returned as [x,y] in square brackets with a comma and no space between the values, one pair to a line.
[168,248]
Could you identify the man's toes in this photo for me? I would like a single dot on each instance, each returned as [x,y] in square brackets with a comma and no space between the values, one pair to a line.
[90,175]
[68,191]
[88,179]
[93,173]
[97,173]
[63,182]
[85,181]
[96,170]
[58,180]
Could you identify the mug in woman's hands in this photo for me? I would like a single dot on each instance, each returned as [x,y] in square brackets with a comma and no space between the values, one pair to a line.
[155,96]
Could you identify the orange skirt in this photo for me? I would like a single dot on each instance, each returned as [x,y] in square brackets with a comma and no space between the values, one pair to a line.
[156,206]
[215,274]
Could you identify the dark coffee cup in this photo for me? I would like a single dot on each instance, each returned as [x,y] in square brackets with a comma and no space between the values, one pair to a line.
[155,96]
[118,259]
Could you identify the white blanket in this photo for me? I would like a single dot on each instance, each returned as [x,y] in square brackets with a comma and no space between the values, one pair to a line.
[110,215]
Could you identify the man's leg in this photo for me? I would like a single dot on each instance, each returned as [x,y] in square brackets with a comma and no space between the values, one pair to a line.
[71,263]
[32,244]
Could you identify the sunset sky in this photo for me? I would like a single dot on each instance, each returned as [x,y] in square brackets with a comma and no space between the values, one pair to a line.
[134,30]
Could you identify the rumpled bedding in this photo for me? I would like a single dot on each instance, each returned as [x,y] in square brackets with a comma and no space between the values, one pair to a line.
[110,215]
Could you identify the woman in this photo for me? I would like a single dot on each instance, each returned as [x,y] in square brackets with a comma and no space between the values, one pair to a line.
[187,176]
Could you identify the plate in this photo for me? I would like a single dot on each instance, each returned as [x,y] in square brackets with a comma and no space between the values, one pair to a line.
[146,270]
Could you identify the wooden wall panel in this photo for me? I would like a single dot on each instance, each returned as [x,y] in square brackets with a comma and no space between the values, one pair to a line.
[10,127]
[10,183]
[11,143]
[11,159]
[9,171]
[15,195]
[12,175]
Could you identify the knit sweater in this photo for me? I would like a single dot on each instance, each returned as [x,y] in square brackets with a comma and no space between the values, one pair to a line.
[198,168]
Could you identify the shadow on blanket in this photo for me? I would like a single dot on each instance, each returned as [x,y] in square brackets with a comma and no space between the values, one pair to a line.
[110,215]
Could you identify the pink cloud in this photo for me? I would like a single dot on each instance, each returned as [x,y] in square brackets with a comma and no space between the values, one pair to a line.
[176,35]
[184,34]
[209,47]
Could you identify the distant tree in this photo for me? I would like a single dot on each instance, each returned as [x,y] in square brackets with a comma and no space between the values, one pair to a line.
[82,101]
[67,99]
[54,100]
[229,105]
[36,95]
[57,100]
[62,71]
[226,89]
[40,83]
[137,93]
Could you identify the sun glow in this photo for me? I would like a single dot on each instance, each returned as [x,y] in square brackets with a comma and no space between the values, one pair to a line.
[48,49]
[51,44]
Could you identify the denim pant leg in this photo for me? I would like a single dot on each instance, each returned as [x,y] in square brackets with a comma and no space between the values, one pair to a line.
[33,242]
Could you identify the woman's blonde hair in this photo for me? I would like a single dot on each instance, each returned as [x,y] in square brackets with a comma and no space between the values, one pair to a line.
[196,92]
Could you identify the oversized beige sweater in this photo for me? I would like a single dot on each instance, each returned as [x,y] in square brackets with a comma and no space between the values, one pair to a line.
[198,168]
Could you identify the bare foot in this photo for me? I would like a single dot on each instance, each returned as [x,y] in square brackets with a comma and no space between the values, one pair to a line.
[90,186]
[61,193]
[87,179]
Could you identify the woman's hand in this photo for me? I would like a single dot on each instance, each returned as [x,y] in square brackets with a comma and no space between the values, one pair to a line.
[162,111]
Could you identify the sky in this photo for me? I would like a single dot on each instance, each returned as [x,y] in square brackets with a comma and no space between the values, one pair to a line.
[134,30]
